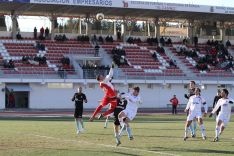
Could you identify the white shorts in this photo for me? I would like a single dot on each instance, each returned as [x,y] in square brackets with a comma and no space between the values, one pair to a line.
[225,119]
[130,113]
[193,115]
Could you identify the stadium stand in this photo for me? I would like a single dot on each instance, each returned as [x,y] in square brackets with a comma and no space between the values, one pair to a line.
[205,60]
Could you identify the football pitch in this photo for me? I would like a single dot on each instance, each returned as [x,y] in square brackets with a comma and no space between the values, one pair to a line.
[153,135]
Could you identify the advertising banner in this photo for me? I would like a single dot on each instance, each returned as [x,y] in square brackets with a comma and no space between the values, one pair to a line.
[136,4]
[172,31]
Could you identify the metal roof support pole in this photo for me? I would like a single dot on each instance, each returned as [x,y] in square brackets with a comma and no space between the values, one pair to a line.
[222,31]
[88,25]
[14,24]
[157,28]
[190,30]
[201,32]
[114,23]
[80,26]
[148,28]
[123,29]
[88,28]
[52,20]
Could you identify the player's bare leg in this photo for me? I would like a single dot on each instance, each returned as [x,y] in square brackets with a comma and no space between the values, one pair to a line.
[116,132]
[203,131]
[128,129]
[79,126]
[186,129]
[218,129]
[121,117]
[106,122]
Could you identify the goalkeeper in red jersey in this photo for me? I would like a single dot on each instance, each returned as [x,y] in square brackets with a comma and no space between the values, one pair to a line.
[108,88]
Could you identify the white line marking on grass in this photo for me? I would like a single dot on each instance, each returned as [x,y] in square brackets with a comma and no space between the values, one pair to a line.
[104,145]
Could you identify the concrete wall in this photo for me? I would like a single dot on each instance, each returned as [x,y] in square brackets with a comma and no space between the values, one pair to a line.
[153,95]
[2,95]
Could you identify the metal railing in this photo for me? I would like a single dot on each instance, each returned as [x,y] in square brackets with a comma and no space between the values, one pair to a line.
[87,52]
[118,75]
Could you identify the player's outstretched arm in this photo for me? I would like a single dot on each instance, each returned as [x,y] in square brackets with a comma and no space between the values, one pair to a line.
[216,106]
[110,75]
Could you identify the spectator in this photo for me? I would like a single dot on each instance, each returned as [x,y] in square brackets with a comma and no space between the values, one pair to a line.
[130,40]
[228,44]
[118,35]
[43,60]
[174,101]
[119,56]
[91,70]
[195,40]
[169,42]
[62,72]
[11,64]
[18,36]
[162,41]
[154,55]
[94,40]
[11,100]
[40,46]
[64,38]
[97,50]
[185,41]
[42,31]
[35,32]
[25,60]
[208,43]
[109,39]
[172,63]
[100,39]
[47,31]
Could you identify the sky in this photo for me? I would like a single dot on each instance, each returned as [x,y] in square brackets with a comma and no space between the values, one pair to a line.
[44,21]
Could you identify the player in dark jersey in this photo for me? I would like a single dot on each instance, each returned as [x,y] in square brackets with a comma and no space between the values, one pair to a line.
[121,105]
[216,99]
[79,99]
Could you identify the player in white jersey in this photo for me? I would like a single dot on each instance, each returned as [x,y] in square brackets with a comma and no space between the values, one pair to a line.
[125,116]
[194,105]
[224,114]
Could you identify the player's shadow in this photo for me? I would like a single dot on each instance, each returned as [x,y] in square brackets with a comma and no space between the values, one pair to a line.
[102,134]
[94,152]
[210,151]
[154,136]
[171,129]
[122,153]
[155,119]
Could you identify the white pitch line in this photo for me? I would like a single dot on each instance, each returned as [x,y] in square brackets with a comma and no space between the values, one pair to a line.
[104,145]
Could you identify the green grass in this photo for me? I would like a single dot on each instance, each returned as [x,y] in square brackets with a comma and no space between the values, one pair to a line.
[153,135]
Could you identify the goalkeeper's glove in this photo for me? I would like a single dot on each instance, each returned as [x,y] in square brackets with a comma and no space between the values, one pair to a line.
[211,114]
[231,102]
